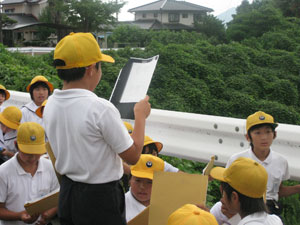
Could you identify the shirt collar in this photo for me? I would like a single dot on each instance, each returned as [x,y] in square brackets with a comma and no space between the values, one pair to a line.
[20,169]
[268,160]
[31,106]
[72,93]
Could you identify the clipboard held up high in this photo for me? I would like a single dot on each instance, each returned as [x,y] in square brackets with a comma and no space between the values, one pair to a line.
[132,84]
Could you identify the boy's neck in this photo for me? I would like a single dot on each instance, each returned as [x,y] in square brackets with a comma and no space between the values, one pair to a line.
[79,84]
[261,154]
[29,168]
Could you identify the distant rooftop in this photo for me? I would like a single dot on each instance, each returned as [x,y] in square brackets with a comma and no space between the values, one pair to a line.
[170,5]
[7,2]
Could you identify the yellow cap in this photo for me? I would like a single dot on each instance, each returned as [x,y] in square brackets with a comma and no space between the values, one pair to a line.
[31,138]
[259,118]
[148,140]
[146,166]
[245,175]
[129,127]
[39,78]
[11,117]
[39,111]
[191,215]
[7,94]
[79,50]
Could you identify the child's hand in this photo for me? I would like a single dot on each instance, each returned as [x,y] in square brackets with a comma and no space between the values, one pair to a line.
[142,108]
[26,218]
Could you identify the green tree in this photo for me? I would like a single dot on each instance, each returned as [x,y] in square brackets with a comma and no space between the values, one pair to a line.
[289,8]
[263,17]
[211,27]
[90,15]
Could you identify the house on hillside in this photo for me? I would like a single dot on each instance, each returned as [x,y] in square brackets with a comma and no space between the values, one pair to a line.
[168,14]
[25,13]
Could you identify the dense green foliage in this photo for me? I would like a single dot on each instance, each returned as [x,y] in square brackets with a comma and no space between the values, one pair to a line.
[254,66]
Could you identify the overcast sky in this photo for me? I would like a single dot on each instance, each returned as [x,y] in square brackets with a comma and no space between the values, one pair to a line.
[219,6]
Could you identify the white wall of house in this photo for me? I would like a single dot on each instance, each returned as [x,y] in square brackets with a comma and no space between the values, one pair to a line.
[189,20]
[14,8]
[34,9]
[184,18]
[37,9]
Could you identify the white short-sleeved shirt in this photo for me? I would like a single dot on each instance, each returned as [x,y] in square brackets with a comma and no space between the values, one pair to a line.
[261,218]
[276,166]
[133,207]
[2,108]
[221,218]
[86,134]
[18,186]
[29,115]
[7,141]
[169,168]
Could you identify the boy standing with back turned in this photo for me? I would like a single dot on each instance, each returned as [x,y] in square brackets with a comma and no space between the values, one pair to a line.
[88,136]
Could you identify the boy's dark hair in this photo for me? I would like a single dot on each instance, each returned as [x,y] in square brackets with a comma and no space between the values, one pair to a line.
[247,205]
[72,74]
[152,147]
[37,84]
[3,92]
[257,127]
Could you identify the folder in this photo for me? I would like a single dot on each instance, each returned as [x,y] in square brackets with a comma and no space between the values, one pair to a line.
[40,205]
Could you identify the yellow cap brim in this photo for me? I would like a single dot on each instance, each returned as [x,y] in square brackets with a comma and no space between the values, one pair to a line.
[142,174]
[106,58]
[39,112]
[159,145]
[218,173]
[33,149]
[47,82]
[8,123]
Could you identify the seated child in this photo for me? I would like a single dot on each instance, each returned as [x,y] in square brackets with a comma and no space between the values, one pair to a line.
[191,215]
[10,119]
[26,177]
[138,197]
[4,95]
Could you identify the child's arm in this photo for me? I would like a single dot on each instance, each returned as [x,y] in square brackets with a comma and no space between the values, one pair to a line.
[8,215]
[141,112]
[8,153]
[285,191]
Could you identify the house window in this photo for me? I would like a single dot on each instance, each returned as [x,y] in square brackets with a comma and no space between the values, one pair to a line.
[9,10]
[155,15]
[173,17]
[144,15]
[185,15]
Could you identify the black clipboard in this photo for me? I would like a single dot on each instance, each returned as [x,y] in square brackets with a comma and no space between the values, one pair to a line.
[136,76]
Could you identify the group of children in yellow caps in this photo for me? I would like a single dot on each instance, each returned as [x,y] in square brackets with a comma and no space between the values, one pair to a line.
[93,149]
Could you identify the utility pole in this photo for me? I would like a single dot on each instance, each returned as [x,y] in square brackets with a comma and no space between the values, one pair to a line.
[117,14]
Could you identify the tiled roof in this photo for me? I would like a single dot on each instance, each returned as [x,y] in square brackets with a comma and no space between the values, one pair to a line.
[170,5]
[22,21]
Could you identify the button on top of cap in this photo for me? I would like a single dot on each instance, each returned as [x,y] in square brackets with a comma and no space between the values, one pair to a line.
[33,138]
[149,164]
[261,117]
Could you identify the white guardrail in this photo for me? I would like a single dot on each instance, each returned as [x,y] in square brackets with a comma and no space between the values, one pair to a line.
[198,137]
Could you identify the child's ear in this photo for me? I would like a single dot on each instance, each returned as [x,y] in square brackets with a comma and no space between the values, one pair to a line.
[247,137]
[275,135]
